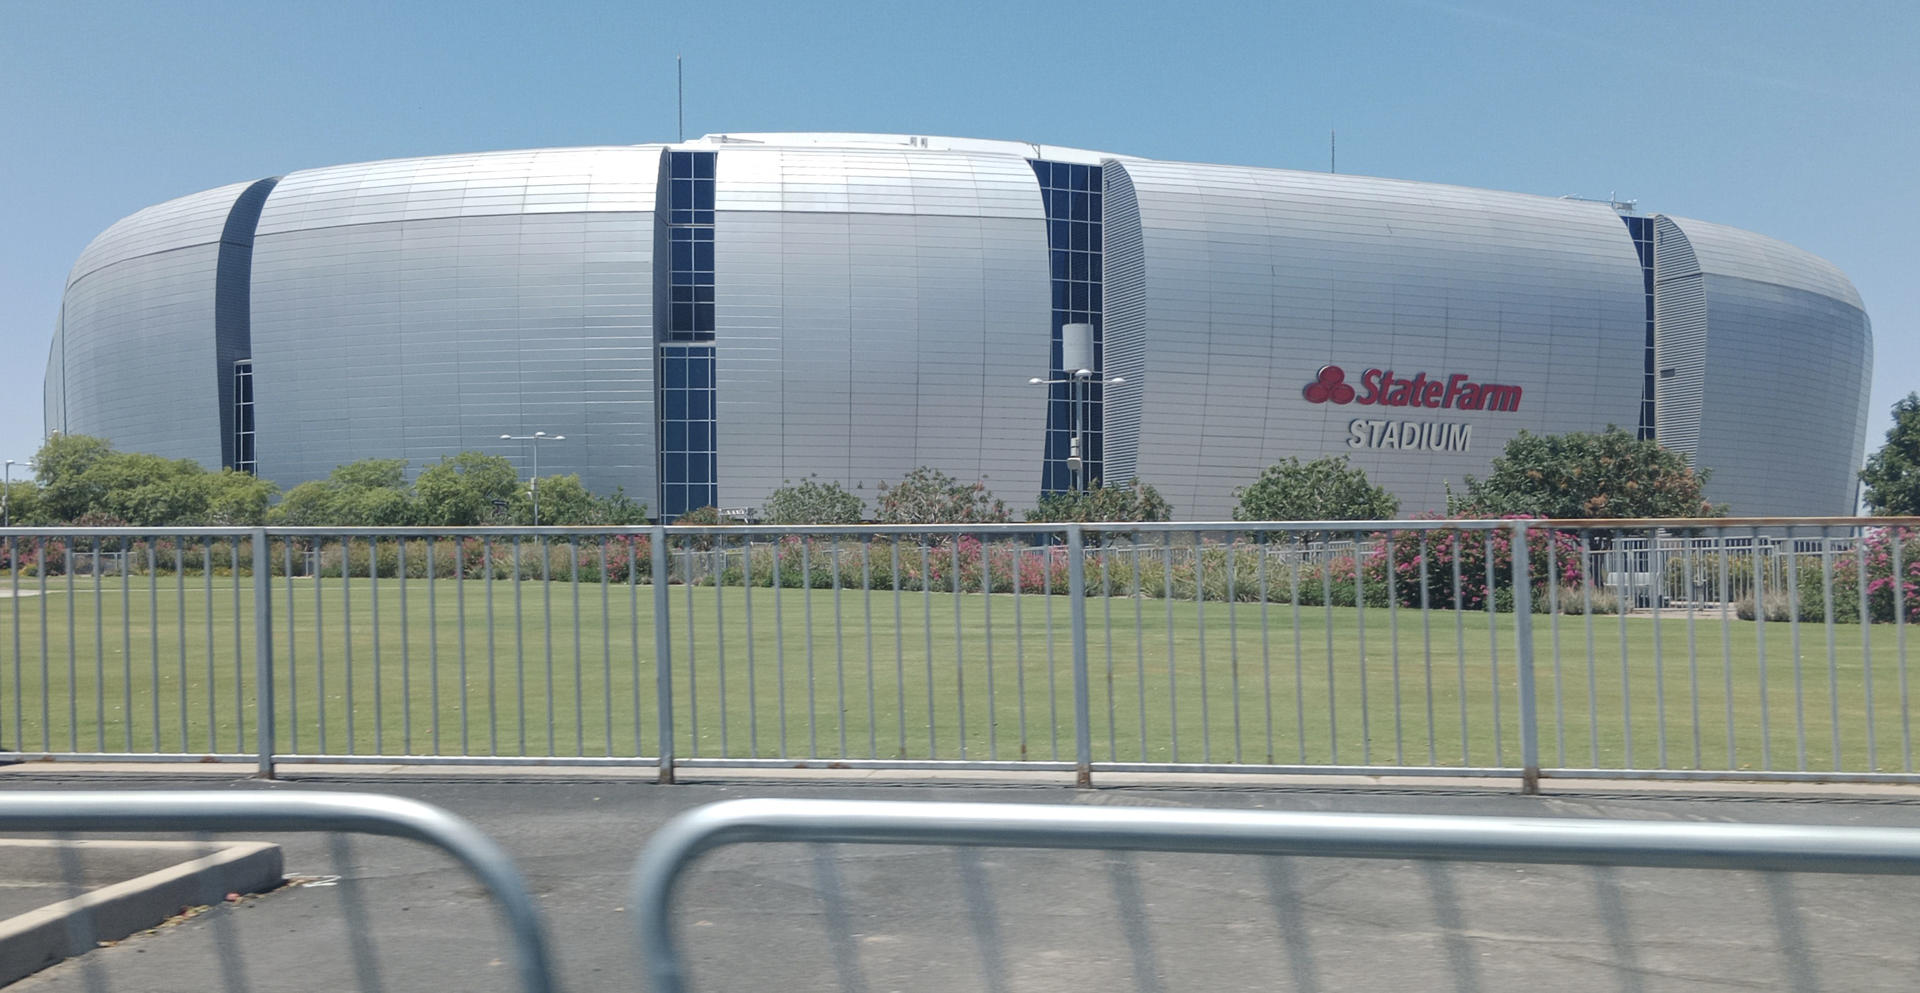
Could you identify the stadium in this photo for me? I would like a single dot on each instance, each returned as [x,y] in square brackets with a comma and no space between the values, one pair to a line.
[705,320]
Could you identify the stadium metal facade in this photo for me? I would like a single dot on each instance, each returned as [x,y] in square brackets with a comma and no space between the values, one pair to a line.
[705,320]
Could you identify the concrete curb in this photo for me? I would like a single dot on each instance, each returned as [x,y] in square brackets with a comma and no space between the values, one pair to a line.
[39,938]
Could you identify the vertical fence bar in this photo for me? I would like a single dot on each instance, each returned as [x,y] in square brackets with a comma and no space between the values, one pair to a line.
[1266,649]
[1173,667]
[1523,660]
[693,655]
[546,636]
[1760,648]
[126,646]
[1333,706]
[1693,652]
[1493,654]
[519,652]
[493,689]
[1460,644]
[263,652]
[433,651]
[346,631]
[19,682]
[1833,671]
[1020,649]
[1393,649]
[293,668]
[100,651]
[1426,651]
[926,631]
[1899,575]
[633,640]
[1360,625]
[1726,647]
[1200,638]
[840,647]
[319,649]
[866,608]
[746,600]
[899,648]
[806,618]
[1792,565]
[1623,583]
[662,655]
[1593,678]
[1299,663]
[1233,642]
[719,631]
[1553,629]
[373,606]
[1077,613]
[959,655]
[579,700]
[1106,635]
[1866,645]
[780,650]
[1656,587]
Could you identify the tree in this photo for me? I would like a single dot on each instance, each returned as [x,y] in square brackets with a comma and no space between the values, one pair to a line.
[461,490]
[1326,489]
[367,493]
[84,480]
[1134,501]
[929,496]
[61,468]
[1892,474]
[1585,475]
[810,502]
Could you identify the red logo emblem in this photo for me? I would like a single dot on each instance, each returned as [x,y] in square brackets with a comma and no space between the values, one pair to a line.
[1330,386]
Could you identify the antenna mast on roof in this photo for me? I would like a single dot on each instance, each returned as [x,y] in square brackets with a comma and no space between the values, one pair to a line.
[1332,151]
[680,95]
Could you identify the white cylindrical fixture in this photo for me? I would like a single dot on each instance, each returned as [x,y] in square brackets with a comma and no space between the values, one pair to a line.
[1076,348]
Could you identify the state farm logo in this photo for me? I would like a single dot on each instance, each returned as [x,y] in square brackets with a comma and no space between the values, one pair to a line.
[1380,386]
[1330,386]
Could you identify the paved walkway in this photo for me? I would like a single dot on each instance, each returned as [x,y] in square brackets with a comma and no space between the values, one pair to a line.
[398,917]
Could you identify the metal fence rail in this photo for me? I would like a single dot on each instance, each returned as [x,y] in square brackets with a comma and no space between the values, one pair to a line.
[204,813]
[1369,836]
[1758,649]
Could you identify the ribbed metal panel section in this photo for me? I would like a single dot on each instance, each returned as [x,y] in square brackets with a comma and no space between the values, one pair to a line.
[1680,337]
[878,310]
[1787,365]
[137,343]
[421,307]
[1256,278]
[1126,323]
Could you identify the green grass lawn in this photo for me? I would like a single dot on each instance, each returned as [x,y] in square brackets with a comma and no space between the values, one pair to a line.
[484,669]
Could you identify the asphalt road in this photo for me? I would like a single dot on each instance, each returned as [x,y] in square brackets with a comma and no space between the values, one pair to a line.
[786,917]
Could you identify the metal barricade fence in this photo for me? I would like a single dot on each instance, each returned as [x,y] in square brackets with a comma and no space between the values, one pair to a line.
[1434,838]
[202,814]
[1757,649]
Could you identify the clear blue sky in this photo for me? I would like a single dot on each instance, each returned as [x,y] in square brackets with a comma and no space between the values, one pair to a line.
[1796,120]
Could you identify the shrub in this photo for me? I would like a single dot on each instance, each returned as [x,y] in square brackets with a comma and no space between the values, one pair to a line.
[810,502]
[929,496]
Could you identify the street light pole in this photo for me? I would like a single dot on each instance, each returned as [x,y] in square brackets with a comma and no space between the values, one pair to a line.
[537,437]
[1079,383]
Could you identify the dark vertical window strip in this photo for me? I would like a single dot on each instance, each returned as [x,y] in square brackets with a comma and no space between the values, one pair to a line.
[232,313]
[687,388]
[1641,230]
[1071,194]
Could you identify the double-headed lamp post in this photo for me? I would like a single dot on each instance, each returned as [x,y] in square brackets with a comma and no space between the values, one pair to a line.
[1076,363]
[537,437]
[6,493]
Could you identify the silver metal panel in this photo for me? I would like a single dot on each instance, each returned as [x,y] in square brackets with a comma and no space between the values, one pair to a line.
[878,310]
[422,307]
[136,348]
[1256,278]
[1783,381]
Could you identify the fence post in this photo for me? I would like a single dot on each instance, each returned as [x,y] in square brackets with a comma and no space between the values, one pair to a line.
[1077,614]
[263,650]
[662,653]
[1523,649]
